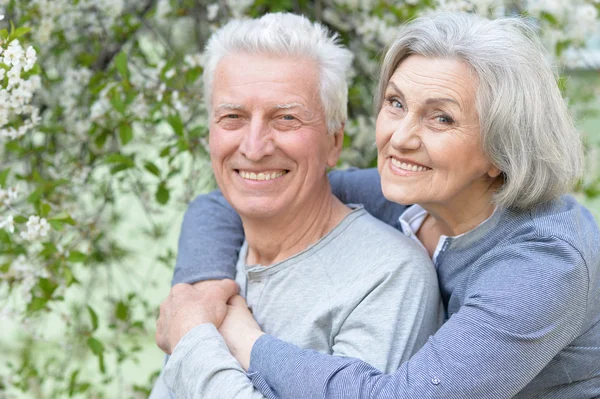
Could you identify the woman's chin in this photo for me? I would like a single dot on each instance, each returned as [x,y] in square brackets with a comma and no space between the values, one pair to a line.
[396,194]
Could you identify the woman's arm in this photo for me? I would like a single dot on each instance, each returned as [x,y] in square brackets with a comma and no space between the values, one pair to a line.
[515,319]
[212,232]
[211,236]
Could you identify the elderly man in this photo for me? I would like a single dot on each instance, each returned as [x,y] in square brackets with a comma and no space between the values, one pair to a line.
[276,95]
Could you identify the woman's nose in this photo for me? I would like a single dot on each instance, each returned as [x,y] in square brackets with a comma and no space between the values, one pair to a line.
[406,134]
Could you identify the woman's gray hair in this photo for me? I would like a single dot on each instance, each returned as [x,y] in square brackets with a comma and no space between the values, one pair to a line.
[288,35]
[527,131]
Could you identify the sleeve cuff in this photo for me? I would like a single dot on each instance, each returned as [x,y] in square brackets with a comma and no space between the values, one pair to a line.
[188,343]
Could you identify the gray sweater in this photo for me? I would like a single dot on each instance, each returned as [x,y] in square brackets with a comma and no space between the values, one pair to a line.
[364,290]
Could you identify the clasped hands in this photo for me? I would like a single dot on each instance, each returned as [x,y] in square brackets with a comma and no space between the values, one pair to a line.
[215,302]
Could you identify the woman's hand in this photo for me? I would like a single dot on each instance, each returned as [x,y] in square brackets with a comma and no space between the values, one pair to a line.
[240,330]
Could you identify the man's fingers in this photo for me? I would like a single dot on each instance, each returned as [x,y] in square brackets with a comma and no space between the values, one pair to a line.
[237,300]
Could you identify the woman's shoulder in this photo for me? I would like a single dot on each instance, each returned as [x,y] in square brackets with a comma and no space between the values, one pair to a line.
[563,222]
[563,218]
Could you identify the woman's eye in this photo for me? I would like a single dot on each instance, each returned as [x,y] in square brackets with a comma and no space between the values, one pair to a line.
[395,103]
[445,119]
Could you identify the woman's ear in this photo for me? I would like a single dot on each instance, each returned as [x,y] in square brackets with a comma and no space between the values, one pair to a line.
[494,172]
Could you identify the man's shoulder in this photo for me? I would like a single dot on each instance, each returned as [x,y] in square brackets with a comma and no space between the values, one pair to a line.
[369,244]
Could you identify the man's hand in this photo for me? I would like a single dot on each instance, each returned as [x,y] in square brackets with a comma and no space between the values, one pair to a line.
[240,330]
[187,307]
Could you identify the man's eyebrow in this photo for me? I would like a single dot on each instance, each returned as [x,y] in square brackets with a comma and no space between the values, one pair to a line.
[230,106]
[289,105]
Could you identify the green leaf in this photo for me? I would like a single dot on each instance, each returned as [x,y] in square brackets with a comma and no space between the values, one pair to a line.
[117,102]
[152,168]
[100,140]
[93,318]
[36,195]
[162,194]
[176,124]
[20,219]
[122,311]
[118,158]
[69,278]
[118,168]
[76,256]
[56,225]
[165,152]
[49,249]
[19,32]
[4,177]
[48,287]
[125,133]
[96,346]
[4,34]
[121,64]
[36,304]
[44,209]
[64,217]
[98,349]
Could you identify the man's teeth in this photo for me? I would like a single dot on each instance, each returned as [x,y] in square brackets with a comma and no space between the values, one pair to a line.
[261,175]
[407,166]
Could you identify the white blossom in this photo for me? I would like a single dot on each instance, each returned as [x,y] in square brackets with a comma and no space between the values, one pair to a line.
[212,10]
[194,60]
[170,73]
[30,58]
[8,223]
[14,54]
[238,7]
[9,195]
[36,227]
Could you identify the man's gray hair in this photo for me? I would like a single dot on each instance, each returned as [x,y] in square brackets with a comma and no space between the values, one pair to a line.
[527,131]
[287,35]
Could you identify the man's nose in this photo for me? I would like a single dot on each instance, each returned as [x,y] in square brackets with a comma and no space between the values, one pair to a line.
[257,141]
[406,135]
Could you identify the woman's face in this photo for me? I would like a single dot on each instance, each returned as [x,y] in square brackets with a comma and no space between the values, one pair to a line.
[428,136]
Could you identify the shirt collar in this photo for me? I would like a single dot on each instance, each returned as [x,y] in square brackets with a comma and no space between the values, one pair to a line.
[412,219]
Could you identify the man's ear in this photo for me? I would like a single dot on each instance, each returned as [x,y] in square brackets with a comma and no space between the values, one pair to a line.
[336,149]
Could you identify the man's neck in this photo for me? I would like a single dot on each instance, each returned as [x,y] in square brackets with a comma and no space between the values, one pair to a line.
[278,238]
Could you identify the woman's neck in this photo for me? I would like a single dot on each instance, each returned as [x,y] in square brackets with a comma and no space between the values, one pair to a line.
[275,239]
[453,219]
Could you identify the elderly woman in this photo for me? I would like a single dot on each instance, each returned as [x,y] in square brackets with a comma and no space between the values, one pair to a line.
[472,130]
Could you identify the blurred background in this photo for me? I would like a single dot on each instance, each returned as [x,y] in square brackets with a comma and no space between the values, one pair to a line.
[103,143]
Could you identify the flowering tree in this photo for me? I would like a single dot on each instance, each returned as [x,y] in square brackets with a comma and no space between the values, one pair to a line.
[100,101]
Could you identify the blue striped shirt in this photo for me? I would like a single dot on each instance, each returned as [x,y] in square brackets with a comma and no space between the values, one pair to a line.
[522,294]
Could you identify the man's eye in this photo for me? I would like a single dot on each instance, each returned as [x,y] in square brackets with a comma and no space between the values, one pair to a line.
[288,118]
[232,116]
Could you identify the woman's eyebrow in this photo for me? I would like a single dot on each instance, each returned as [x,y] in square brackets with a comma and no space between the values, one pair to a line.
[437,100]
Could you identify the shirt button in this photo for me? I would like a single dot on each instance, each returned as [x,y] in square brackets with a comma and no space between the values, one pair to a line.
[435,381]
[408,233]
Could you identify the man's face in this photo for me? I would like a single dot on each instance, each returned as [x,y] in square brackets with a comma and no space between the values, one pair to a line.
[268,135]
